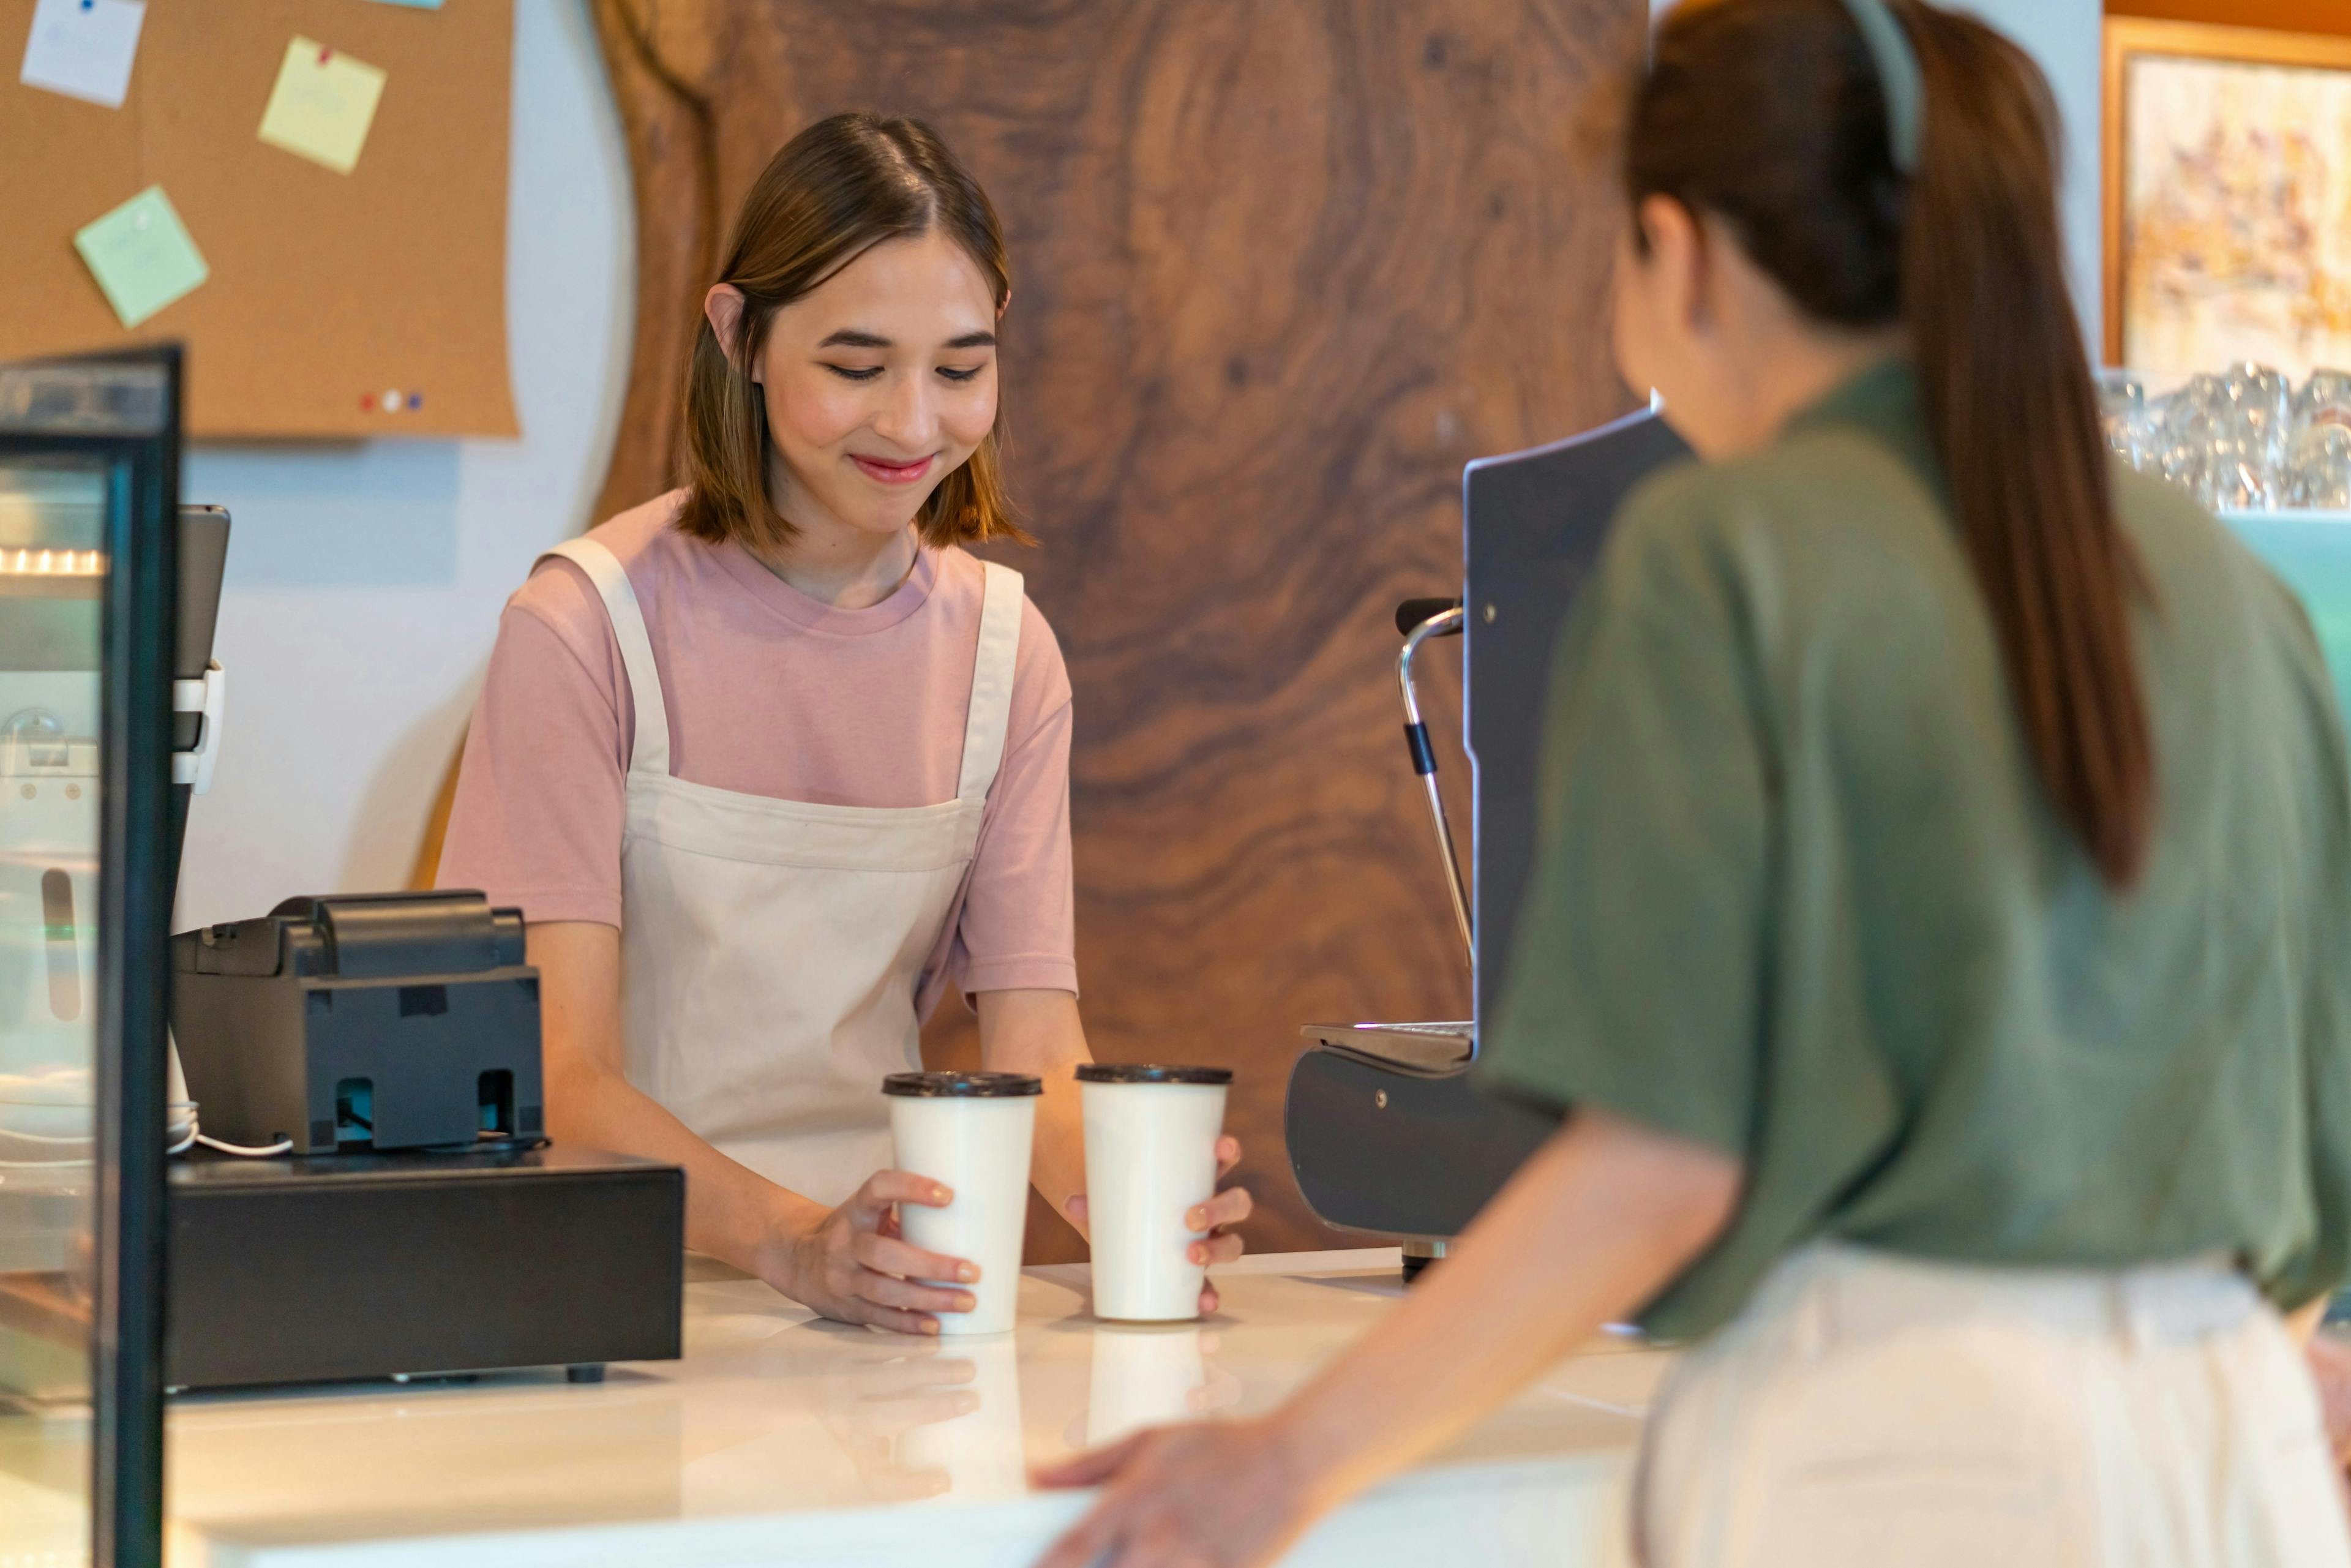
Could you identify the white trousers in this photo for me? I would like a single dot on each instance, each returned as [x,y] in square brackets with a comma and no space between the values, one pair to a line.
[1873,1409]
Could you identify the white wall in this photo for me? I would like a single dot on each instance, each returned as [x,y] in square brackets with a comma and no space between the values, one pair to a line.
[364,579]
[2063,37]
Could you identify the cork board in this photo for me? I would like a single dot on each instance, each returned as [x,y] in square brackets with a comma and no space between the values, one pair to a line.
[327,291]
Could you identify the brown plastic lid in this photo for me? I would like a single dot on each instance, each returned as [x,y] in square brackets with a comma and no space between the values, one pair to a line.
[962,1086]
[1148,1072]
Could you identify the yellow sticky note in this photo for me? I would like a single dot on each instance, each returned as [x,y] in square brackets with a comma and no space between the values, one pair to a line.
[141,256]
[322,105]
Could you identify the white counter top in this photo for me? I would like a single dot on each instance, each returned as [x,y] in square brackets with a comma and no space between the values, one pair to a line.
[782,1439]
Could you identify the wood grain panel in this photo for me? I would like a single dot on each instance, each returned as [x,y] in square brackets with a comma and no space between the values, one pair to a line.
[1280,270]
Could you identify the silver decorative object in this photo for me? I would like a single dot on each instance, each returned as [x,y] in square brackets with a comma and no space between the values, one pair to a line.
[2318,469]
[2243,440]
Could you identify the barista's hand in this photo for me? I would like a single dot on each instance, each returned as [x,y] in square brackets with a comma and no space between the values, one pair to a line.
[852,1264]
[1217,1218]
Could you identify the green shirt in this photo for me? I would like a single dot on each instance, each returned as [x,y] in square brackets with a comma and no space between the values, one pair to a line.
[1802,899]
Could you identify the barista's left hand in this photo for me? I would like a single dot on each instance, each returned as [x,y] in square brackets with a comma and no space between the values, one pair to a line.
[1231,1493]
[1215,1217]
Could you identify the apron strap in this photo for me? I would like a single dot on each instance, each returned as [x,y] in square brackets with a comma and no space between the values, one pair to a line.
[991,682]
[650,752]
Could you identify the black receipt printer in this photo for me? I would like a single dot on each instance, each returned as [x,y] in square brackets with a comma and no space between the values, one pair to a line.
[385,1049]
[383,1021]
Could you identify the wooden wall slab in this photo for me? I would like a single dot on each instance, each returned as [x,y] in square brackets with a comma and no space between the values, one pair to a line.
[1280,270]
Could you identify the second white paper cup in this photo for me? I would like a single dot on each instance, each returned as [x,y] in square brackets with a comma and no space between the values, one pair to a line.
[970,1131]
[1151,1157]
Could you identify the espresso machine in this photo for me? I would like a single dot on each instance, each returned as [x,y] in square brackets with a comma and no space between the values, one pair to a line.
[1388,1133]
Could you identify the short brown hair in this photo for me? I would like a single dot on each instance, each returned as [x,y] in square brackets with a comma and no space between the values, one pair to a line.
[838,189]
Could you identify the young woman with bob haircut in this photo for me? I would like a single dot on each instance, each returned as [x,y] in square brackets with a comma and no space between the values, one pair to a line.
[1938,945]
[770,762]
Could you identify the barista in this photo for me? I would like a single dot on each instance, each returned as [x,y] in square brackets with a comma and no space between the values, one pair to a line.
[770,762]
[1939,932]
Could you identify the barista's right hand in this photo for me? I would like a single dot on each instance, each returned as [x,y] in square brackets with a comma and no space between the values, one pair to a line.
[852,1265]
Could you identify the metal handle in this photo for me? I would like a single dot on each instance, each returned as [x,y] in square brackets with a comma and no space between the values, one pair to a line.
[1446,623]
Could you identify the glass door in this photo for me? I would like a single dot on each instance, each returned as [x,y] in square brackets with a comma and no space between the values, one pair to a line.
[88,494]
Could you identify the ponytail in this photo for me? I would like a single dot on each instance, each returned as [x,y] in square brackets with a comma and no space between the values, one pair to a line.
[1965,253]
[2014,417]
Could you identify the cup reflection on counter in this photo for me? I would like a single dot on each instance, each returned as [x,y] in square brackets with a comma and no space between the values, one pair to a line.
[1143,1377]
[979,1453]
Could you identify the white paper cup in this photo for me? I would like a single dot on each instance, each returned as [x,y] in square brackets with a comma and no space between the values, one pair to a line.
[970,1131]
[1151,1157]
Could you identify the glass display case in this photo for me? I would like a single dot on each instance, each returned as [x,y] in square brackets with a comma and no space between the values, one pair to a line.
[89,496]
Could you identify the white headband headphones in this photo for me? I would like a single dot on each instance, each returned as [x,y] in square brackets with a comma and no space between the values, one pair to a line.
[1901,81]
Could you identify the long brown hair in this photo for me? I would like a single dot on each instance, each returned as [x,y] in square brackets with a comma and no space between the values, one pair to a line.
[838,188]
[1771,116]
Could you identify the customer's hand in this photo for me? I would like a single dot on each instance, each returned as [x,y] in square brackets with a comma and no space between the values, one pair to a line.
[1231,1493]
[1213,1219]
[853,1265]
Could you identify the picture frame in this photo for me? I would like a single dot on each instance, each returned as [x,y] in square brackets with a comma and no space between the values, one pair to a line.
[2240,227]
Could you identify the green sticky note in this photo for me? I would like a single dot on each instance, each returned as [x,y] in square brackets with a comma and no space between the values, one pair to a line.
[141,256]
[322,105]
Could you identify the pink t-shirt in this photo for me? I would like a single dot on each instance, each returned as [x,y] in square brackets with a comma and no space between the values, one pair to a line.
[772,693]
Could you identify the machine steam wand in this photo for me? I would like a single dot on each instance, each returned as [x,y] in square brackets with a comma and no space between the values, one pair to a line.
[1420,620]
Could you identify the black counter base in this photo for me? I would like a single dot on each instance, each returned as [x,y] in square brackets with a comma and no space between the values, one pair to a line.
[355,1266]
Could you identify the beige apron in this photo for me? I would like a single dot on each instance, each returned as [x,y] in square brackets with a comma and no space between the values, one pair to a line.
[771,951]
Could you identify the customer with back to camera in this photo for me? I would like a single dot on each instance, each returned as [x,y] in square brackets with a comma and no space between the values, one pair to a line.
[1939,934]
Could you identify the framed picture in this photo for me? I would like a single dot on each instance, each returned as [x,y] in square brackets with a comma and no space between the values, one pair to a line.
[2227,197]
